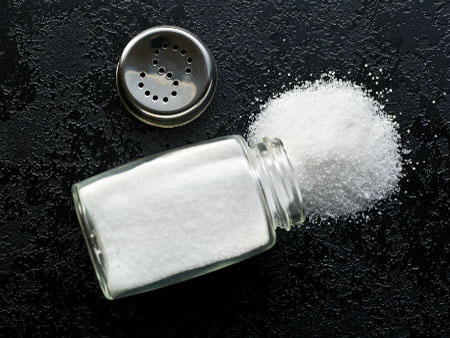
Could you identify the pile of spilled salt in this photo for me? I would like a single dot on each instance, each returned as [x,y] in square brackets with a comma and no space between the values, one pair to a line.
[344,148]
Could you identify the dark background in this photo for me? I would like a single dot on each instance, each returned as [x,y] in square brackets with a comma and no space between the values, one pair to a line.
[61,121]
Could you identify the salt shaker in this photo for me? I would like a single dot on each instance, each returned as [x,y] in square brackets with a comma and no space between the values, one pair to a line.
[183,213]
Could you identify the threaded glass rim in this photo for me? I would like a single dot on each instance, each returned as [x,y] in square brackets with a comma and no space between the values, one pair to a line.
[294,206]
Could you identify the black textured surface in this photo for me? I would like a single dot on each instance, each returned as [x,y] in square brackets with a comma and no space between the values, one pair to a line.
[61,121]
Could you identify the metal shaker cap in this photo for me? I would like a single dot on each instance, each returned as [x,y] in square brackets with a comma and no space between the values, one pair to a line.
[166,76]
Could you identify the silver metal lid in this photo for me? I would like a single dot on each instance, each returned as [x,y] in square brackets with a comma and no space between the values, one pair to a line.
[166,76]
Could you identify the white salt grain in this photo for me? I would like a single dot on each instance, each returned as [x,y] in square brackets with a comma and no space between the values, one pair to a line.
[344,148]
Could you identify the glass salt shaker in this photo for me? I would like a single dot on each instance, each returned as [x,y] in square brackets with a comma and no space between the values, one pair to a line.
[170,217]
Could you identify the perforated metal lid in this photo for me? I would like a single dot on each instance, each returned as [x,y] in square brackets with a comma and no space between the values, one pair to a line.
[166,76]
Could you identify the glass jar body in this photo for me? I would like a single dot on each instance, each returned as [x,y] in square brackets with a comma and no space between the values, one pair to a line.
[176,215]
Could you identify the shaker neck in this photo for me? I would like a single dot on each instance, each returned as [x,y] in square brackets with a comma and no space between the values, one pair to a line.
[280,190]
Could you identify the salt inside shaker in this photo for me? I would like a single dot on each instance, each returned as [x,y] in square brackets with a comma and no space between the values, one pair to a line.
[183,213]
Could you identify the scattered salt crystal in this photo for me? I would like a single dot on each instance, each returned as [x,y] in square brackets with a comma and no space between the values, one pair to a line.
[344,148]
